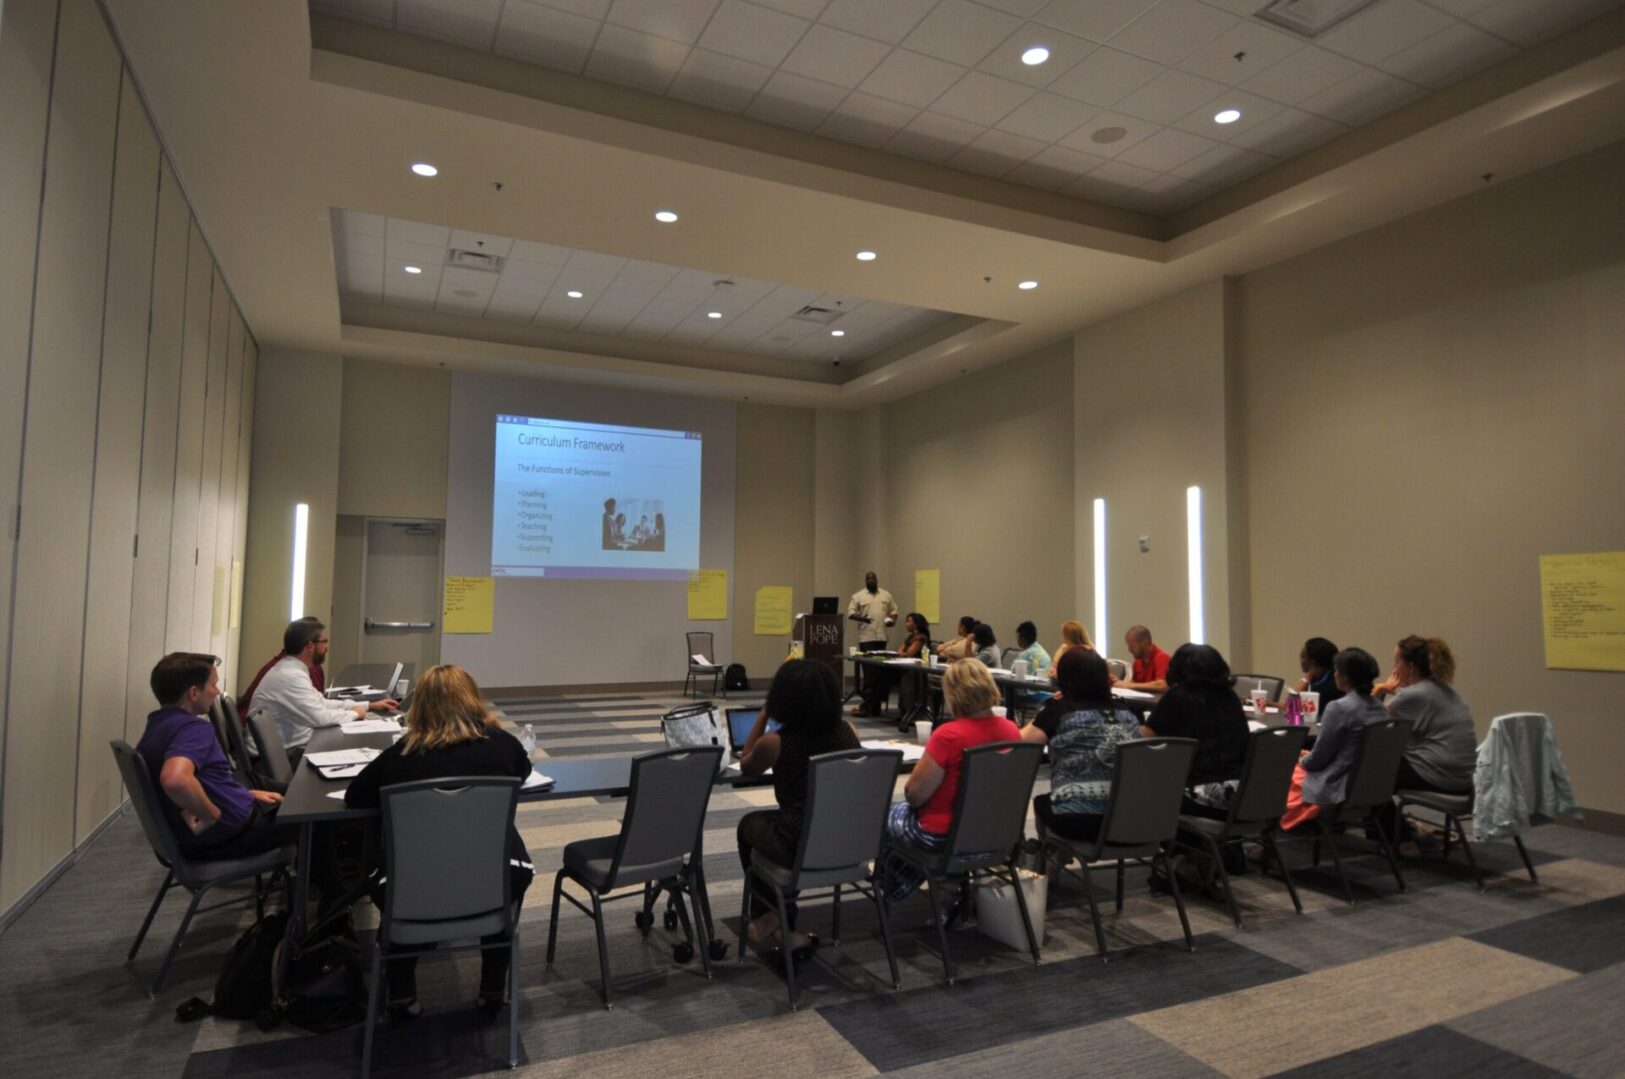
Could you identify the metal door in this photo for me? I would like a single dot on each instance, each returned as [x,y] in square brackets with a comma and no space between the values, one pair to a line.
[400,592]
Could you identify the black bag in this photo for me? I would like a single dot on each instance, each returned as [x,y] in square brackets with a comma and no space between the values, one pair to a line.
[244,985]
[734,678]
[325,989]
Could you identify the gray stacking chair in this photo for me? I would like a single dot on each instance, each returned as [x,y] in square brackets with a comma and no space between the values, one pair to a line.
[990,822]
[196,876]
[848,797]
[1370,789]
[1246,683]
[273,762]
[659,841]
[1256,807]
[446,856]
[1142,819]
[1119,668]
[701,643]
[228,725]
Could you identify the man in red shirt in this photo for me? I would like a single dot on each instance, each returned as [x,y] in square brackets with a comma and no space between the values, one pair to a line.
[1150,671]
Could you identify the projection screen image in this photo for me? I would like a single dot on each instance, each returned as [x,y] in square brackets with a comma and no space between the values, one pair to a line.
[576,499]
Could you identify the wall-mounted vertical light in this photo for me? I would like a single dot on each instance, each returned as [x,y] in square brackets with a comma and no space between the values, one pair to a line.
[301,526]
[1193,547]
[1100,570]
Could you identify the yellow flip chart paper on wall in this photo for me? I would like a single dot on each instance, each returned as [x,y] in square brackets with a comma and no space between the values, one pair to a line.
[928,594]
[708,595]
[217,613]
[773,603]
[468,604]
[1582,598]
[236,620]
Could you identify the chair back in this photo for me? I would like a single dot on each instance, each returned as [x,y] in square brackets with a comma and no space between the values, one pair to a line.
[1148,781]
[1008,656]
[1246,683]
[990,808]
[848,796]
[700,644]
[144,795]
[1266,775]
[1376,763]
[1118,667]
[665,812]
[273,754]
[236,742]
[446,847]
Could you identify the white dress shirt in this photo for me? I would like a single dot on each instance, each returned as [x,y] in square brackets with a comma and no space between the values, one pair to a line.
[298,707]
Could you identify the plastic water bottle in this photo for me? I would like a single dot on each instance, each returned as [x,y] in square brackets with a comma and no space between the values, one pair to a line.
[1294,709]
[527,738]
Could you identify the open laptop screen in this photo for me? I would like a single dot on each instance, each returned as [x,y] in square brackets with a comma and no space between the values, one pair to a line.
[740,721]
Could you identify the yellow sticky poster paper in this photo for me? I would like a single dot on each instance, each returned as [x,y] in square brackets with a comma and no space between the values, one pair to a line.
[217,613]
[236,620]
[1582,598]
[468,604]
[773,603]
[708,595]
[928,594]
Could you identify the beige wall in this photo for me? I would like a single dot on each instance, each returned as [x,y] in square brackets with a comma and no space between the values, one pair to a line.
[1439,404]
[773,524]
[978,484]
[118,497]
[392,447]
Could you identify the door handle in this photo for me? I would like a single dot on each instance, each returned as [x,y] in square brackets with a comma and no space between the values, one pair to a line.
[370,625]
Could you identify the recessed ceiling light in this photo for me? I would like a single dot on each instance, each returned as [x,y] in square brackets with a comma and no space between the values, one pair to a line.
[665,217]
[1227,116]
[574,294]
[837,333]
[423,168]
[866,256]
[413,269]
[713,314]
[1028,286]
[1035,56]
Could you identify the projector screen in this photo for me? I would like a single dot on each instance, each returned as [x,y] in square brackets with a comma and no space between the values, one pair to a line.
[577,499]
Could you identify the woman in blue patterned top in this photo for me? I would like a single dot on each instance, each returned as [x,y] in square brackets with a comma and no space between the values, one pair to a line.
[1083,728]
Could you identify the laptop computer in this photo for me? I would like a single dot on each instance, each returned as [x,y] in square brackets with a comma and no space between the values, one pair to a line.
[382,692]
[740,722]
[826,605]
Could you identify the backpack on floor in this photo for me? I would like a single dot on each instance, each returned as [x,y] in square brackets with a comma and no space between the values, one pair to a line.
[244,985]
[734,678]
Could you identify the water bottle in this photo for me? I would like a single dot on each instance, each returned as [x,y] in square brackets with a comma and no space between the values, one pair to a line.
[1294,709]
[527,738]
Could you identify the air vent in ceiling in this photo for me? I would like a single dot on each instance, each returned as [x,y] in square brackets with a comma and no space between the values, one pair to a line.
[1311,18]
[474,260]
[821,315]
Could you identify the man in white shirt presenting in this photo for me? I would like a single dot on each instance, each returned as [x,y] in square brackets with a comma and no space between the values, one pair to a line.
[873,609]
[288,697]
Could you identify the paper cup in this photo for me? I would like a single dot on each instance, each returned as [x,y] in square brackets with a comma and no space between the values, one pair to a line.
[1018,669]
[1260,699]
[1000,710]
[922,731]
[400,690]
[1311,705]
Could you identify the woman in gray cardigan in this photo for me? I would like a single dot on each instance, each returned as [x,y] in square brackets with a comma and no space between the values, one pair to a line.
[1326,768]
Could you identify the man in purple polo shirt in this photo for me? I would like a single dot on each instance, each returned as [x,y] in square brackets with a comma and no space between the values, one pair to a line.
[211,814]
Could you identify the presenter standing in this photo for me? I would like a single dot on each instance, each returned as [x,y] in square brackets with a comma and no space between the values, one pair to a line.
[873,609]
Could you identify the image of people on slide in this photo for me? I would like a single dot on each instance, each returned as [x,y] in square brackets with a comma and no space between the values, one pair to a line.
[634,524]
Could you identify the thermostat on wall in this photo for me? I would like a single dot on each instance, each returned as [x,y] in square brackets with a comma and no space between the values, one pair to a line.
[1145,544]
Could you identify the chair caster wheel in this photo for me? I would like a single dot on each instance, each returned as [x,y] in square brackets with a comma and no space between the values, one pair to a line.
[718,949]
[643,920]
[682,953]
[670,921]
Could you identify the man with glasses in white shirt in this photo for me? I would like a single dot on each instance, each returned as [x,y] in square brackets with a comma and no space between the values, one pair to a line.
[287,695]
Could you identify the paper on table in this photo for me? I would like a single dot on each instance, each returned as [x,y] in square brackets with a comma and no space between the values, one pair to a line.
[1254,725]
[343,771]
[1132,694]
[536,781]
[335,794]
[904,661]
[912,751]
[334,691]
[371,726]
[335,758]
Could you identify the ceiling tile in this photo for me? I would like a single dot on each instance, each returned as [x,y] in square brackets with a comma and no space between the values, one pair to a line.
[834,56]
[1240,8]
[365,224]
[1086,138]
[1529,22]
[531,251]
[1120,176]
[889,22]
[463,22]
[1096,20]
[590,9]
[604,266]
[866,120]
[1301,76]
[1289,133]
[545,36]
[677,20]
[1105,77]
[1462,9]
[748,32]
[1362,97]
[1065,50]
[1054,168]
[1169,97]
[806,9]
[1383,29]
[1166,150]
[686,295]
[1048,117]
[1245,50]
[427,257]
[639,270]
[1025,9]
[362,243]
[377,12]
[1453,53]
[512,310]
[931,137]
[1223,165]
[719,82]
[961,32]
[637,59]
[911,78]
[417,232]
[795,102]
[1173,30]
[1254,111]
[995,153]
[980,98]
[482,242]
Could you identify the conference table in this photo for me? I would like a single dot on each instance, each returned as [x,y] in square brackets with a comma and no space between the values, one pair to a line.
[927,679]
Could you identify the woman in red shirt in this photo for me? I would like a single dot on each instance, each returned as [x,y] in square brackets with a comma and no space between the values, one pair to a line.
[925,816]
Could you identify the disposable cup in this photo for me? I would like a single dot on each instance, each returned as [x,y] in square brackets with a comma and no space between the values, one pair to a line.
[922,731]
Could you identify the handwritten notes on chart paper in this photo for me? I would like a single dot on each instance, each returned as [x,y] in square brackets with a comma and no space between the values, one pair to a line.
[468,604]
[928,594]
[773,616]
[708,595]
[1582,600]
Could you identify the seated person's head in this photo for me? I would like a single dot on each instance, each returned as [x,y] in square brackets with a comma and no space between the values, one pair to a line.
[1026,635]
[189,681]
[804,697]
[1316,655]
[1083,676]
[446,710]
[966,625]
[1198,666]
[1427,657]
[1074,635]
[1356,670]
[915,623]
[968,689]
[301,633]
[983,636]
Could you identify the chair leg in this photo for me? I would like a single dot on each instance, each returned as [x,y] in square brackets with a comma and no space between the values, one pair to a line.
[1094,909]
[1449,820]
[885,929]
[603,946]
[704,925]
[1286,874]
[1466,847]
[553,922]
[835,928]
[157,900]
[744,911]
[513,995]
[1224,878]
[784,950]
[1179,901]
[940,916]
[689,931]
[1337,859]
[1120,883]
[1026,917]
[375,989]
[1388,850]
[259,896]
[175,945]
[1523,853]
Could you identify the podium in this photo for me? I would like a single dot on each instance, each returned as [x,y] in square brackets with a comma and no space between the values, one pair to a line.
[821,637]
